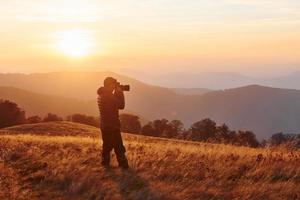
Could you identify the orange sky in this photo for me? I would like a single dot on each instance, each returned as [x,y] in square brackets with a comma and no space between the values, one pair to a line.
[224,35]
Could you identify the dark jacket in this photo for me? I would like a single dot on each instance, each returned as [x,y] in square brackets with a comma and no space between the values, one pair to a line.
[109,105]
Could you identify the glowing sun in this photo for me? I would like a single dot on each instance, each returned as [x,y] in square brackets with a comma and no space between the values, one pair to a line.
[75,42]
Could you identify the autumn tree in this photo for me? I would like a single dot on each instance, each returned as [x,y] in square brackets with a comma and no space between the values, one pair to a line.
[130,123]
[11,114]
[174,129]
[222,134]
[52,117]
[278,139]
[247,138]
[149,130]
[203,130]
[164,128]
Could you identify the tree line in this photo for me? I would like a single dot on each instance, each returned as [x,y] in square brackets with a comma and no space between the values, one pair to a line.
[205,130]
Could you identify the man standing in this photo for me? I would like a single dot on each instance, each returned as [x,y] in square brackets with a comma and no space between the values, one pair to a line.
[110,101]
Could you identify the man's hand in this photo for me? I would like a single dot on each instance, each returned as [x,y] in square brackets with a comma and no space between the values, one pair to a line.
[118,89]
[119,95]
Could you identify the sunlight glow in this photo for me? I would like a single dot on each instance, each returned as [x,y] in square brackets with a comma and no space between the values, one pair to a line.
[75,42]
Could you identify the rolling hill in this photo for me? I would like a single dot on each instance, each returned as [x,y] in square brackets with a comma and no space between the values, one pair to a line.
[263,110]
[65,164]
[40,104]
[146,100]
[80,85]
[215,80]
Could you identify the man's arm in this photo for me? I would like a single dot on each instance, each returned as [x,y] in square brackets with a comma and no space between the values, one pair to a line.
[120,99]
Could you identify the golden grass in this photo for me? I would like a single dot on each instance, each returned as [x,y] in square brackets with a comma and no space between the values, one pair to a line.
[35,165]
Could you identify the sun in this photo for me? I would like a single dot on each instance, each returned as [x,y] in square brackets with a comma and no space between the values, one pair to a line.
[74,42]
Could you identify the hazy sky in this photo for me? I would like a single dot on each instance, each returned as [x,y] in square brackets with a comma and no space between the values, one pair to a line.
[248,36]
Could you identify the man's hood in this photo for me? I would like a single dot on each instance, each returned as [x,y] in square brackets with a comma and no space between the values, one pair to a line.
[100,90]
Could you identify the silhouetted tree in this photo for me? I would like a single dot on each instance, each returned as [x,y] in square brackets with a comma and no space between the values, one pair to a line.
[160,126]
[222,134]
[203,130]
[173,129]
[288,140]
[149,130]
[34,119]
[130,123]
[247,138]
[232,137]
[84,119]
[278,139]
[296,141]
[164,128]
[11,114]
[52,117]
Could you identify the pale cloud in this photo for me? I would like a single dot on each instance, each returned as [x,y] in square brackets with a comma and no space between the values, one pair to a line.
[92,11]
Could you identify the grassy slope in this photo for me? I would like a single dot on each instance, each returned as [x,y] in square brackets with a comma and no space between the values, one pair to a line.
[41,162]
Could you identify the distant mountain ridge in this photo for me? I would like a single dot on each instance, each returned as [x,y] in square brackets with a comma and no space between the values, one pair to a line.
[40,104]
[263,110]
[267,110]
[218,80]
[191,91]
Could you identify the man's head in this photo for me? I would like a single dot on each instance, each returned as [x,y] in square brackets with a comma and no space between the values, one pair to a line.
[110,83]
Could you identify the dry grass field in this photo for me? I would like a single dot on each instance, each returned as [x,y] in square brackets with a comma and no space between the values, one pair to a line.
[61,160]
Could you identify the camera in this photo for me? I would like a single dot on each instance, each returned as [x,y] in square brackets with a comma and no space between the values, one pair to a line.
[123,87]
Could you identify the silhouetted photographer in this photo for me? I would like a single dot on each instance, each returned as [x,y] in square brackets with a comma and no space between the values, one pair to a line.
[110,101]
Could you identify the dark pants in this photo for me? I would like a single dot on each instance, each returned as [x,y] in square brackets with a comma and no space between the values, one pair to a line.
[113,140]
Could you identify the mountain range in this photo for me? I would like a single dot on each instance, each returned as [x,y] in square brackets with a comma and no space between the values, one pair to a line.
[191,91]
[216,80]
[263,110]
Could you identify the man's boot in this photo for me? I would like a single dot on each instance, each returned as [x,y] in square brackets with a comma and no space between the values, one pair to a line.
[105,161]
[123,162]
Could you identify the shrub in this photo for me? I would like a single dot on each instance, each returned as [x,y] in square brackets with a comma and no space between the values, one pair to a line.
[34,119]
[84,119]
